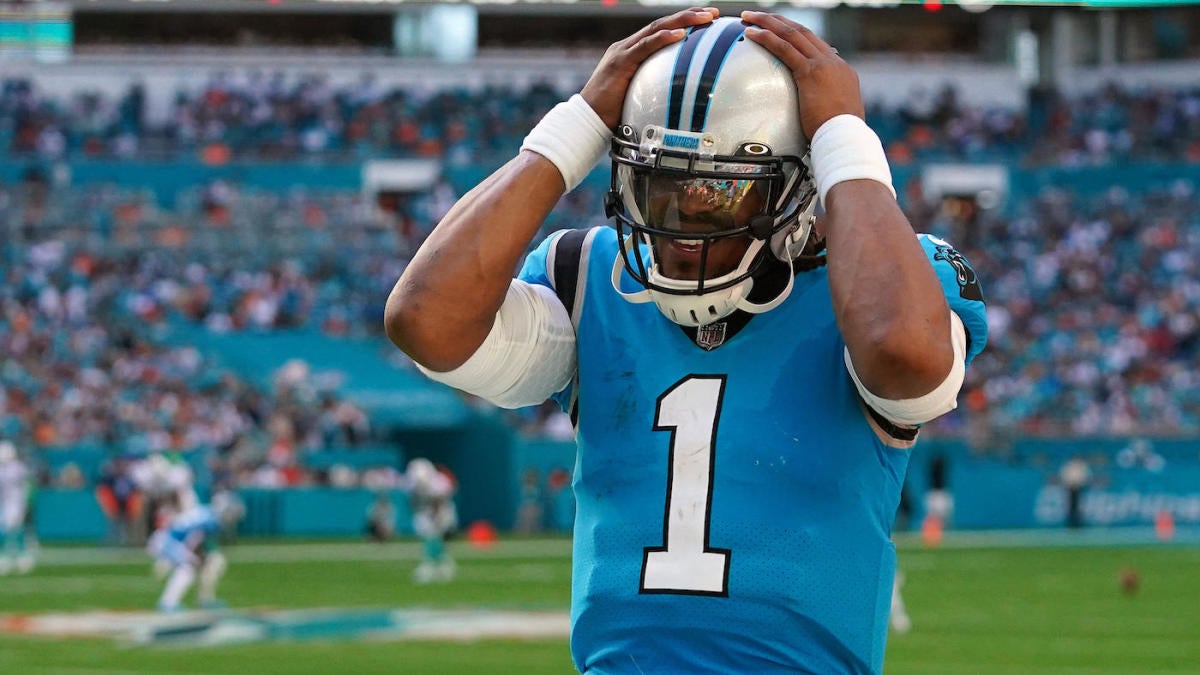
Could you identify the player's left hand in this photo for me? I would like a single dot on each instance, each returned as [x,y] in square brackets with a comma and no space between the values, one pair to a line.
[605,89]
[827,86]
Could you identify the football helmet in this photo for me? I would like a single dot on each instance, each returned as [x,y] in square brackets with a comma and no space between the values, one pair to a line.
[710,175]
[420,473]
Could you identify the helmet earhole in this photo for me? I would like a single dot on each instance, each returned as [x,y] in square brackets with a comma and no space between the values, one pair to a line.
[760,226]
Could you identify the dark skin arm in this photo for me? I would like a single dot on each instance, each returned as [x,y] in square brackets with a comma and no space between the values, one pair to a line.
[886,297]
[445,302]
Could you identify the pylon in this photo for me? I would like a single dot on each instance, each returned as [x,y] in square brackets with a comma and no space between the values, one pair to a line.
[931,530]
[1164,525]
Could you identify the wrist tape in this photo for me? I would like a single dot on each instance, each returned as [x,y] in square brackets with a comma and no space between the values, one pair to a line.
[573,137]
[845,148]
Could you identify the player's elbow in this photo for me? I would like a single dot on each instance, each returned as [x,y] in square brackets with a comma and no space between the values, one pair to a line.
[422,330]
[900,364]
[405,324]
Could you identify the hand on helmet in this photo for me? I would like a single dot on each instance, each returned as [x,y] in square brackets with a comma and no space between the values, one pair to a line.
[605,89]
[826,85]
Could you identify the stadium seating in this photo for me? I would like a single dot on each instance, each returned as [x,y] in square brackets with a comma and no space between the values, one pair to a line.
[238,292]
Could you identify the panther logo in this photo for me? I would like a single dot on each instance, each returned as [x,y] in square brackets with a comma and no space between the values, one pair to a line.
[968,283]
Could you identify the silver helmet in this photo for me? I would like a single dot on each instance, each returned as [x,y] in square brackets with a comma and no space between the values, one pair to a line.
[710,175]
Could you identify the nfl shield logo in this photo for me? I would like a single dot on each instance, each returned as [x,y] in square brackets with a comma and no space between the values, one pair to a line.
[711,336]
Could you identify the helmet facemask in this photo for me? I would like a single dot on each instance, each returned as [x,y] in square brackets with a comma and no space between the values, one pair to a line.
[696,228]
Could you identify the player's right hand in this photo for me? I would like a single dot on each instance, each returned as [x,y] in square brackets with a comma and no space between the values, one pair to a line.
[825,84]
[605,89]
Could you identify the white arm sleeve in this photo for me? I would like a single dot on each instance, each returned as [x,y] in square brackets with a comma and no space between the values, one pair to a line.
[528,355]
[941,400]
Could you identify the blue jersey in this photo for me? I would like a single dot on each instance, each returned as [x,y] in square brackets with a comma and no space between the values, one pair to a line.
[734,500]
[193,524]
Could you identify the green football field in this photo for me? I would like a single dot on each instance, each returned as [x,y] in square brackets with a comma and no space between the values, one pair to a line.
[979,606]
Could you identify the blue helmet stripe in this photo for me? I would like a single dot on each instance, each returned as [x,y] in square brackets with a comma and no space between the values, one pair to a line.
[683,61]
[712,67]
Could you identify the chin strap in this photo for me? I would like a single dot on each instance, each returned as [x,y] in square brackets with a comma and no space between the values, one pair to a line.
[645,295]
[746,306]
[637,297]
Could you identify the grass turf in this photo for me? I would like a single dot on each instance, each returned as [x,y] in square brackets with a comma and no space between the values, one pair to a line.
[976,611]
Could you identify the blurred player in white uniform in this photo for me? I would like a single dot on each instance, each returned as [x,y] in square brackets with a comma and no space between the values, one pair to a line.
[167,486]
[18,543]
[431,495]
[898,618]
[187,548]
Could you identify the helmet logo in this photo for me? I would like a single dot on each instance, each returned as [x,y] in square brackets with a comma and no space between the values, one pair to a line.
[681,141]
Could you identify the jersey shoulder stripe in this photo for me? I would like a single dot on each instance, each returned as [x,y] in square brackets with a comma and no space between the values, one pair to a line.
[570,268]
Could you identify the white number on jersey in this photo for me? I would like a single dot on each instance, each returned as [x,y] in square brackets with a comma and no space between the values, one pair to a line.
[685,563]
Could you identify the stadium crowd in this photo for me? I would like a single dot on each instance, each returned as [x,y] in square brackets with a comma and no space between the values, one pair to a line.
[265,116]
[1093,298]
[84,366]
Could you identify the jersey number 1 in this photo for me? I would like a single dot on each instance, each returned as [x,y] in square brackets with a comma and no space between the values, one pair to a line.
[685,563]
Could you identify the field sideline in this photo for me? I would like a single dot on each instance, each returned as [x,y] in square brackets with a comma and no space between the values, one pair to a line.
[995,603]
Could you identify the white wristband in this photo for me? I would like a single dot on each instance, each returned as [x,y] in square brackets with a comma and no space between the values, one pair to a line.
[573,137]
[845,148]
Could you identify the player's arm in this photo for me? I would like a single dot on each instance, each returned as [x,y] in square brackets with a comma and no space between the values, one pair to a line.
[886,297]
[446,302]
[888,301]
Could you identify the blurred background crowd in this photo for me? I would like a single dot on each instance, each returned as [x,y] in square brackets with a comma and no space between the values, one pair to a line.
[154,240]
[275,116]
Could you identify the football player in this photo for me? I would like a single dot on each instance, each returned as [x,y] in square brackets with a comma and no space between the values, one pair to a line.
[898,617]
[18,545]
[186,548]
[744,386]
[431,498]
[168,485]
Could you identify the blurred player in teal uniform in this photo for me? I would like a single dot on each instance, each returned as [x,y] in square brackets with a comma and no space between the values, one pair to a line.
[434,517]
[745,380]
[186,548]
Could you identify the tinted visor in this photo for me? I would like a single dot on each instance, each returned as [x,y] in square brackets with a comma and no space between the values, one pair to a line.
[721,202]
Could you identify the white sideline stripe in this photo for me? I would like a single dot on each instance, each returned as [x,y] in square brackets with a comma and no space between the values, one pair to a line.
[315,552]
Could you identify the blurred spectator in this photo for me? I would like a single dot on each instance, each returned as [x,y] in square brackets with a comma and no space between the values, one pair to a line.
[531,508]
[120,499]
[229,509]
[561,499]
[381,518]
[1075,476]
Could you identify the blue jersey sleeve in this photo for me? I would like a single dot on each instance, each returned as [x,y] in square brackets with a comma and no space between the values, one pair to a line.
[962,289]
[534,269]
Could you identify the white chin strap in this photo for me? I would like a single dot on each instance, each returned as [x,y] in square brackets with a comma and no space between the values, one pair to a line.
[698,310]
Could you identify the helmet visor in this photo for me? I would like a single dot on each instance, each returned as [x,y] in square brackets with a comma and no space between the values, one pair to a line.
[721,202]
